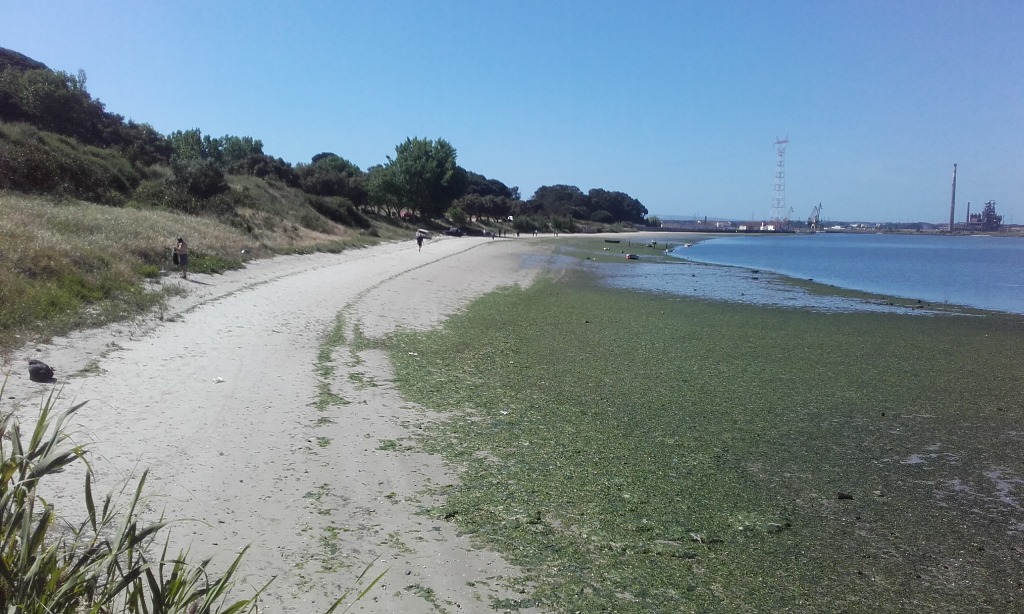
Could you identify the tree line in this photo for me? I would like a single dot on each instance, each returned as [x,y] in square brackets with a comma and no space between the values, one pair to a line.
[114,160]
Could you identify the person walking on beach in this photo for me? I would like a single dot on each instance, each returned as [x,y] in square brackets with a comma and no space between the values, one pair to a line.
[181,256]
[420,235]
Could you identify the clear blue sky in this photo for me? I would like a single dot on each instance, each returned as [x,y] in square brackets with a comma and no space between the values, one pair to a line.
[677,103]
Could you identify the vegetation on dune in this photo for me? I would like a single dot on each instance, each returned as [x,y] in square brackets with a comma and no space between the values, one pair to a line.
[66,262]
[637,453]
[59,139]
[90,204]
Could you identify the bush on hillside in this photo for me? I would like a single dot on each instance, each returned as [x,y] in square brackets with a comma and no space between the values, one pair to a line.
[265,167]
[54,101]
[172,195]
[340,211]
[39,162]
[563,223]
[528,224]
[201,179]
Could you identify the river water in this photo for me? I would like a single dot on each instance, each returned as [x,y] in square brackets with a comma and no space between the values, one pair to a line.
[976,271]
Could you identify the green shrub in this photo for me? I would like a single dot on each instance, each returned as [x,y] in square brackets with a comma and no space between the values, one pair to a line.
[202,262]
[41,162]
[563,224]
[340,211]
[200,179]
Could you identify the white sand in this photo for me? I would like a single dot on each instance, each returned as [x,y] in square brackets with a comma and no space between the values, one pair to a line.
[217,399]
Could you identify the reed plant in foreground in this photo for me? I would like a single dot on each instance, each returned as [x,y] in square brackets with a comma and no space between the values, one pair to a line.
[108,563]
[105,563]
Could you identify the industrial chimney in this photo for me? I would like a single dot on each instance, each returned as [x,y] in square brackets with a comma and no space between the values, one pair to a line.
[952,201]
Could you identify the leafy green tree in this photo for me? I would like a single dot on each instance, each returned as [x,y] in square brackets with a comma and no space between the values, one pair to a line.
[522,208]
[265,167]
[383,191]
[201,179]
[560,201]
[226,152]
[142,144]
[423,177]
[238,148]
[622,207]
[51,100]
[212,149]
[472,205]
[331,175]
[187,145]
[498,208]
[457,215]
[58,102]
[482,186]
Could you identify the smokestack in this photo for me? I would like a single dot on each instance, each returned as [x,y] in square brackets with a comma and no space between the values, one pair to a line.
[952,201]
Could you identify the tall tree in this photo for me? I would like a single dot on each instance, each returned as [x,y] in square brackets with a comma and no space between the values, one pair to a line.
[423,177]
[331,175]
[621,206]
[383,190]
[560,200]
[482,186]
[187,145]
[53,101]
[238,148]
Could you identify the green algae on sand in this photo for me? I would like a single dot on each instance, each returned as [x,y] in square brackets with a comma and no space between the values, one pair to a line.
[640,453]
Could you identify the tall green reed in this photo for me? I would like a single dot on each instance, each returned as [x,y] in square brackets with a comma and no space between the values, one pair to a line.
[108,563]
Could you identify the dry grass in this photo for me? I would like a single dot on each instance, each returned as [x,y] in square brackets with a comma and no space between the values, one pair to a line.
[32,225]
[67,264]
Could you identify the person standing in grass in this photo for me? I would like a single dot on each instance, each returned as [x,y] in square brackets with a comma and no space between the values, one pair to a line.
[181,256]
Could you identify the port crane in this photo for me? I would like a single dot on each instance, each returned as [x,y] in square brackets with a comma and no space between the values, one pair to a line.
[815,219]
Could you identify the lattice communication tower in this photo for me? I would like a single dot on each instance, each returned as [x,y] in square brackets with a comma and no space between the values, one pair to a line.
[779,214]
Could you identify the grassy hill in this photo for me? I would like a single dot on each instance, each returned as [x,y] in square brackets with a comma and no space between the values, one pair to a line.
[68,263]
[90,204]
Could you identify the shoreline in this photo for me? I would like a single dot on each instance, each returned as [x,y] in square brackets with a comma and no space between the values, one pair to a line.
[259,430]
[265,404]
[635,452]
[876,274]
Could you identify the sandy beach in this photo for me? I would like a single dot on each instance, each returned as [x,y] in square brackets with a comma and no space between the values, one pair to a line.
[219,397]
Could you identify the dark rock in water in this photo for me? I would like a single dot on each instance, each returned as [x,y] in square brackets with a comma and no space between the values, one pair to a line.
[844,495]
[39,371]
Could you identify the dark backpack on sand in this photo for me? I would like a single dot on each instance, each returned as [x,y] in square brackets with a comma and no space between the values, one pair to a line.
[39,371]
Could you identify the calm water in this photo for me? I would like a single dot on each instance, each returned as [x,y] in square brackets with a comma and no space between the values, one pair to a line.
[976,271]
